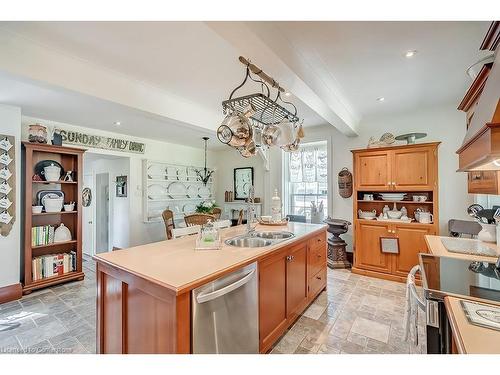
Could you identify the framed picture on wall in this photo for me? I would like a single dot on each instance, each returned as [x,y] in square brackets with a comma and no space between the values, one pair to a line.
[121,186]
[243,179]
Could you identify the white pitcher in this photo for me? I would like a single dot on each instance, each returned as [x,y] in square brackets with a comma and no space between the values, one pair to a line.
[488,233]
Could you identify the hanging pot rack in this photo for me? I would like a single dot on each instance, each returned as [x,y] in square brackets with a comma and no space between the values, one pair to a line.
[268,111]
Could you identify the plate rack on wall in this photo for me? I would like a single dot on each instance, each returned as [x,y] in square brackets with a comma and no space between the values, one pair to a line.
[173,186]
[71,159]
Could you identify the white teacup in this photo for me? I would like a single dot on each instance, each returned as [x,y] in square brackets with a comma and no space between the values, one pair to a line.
[266,219]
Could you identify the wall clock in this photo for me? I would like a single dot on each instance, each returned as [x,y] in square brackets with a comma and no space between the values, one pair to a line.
[243,179]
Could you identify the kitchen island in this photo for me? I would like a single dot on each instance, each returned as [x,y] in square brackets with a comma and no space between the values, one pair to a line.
[144,293]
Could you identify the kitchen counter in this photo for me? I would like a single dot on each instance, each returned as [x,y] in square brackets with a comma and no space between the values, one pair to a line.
[436,247]
[176,265]
[145,299]
[469,338]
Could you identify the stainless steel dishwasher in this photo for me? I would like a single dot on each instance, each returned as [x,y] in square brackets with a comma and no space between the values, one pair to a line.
[225,314]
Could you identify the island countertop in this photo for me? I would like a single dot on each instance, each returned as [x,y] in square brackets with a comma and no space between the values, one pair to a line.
[176,265]
[436,247]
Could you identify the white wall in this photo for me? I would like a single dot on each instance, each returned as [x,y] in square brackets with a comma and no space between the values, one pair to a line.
[140,232]
[229,159]
[10,246]
[445,124]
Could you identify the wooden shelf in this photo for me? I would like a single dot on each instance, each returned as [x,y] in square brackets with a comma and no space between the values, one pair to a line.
[54,244]
[71,159]
[48,281]
[414,222]
[57,213]
[405,202]
[56,182]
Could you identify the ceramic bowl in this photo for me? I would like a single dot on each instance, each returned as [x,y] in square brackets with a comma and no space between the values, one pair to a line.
[53,204]
[69,207]
[36,209]
[367,214]
[394,214]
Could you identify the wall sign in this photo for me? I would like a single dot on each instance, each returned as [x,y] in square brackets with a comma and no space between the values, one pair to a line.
[7,184]
[97,141]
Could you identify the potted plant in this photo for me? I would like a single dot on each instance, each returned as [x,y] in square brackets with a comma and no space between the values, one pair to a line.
[206,207]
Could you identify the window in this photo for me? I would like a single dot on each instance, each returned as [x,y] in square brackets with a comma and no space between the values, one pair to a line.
[306,179]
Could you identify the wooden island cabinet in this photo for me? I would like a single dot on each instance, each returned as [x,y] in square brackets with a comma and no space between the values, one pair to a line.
[145,307]
[410,169]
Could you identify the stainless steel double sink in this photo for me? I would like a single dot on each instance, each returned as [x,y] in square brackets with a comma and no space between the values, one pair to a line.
[259,239]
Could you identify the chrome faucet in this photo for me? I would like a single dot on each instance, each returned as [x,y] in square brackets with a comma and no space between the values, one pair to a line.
[250,209]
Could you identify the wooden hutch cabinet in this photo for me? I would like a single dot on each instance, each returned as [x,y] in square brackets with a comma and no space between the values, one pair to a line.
[412,169]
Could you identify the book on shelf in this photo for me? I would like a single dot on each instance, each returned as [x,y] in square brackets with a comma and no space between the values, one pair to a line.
[42,235]
[53,265]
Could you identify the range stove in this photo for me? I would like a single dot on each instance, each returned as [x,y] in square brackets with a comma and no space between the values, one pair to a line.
[447,276]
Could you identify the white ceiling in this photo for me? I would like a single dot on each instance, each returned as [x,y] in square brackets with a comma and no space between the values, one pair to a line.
[64,106]
[366,59]
[355,61]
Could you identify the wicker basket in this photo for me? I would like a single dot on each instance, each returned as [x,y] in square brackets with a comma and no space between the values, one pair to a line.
[345,183]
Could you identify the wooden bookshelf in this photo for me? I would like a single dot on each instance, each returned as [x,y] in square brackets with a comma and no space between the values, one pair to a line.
[71,159]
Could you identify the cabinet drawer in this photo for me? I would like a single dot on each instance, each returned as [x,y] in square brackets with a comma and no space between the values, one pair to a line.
[317,282]
[317,259]
[318,242]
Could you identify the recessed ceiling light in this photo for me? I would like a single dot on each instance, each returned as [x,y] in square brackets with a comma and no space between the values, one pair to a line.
[117,123]
[381,99]
[288,93]
[410,54]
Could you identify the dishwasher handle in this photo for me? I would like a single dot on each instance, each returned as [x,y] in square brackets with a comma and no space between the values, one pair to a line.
[205,297]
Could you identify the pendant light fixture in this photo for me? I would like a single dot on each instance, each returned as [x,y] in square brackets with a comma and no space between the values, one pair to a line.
[205,174]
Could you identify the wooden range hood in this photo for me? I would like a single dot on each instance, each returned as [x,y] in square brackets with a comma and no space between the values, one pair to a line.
[480,150]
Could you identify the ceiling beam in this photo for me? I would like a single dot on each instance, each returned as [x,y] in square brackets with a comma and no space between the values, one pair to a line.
[264,46]
[23,57]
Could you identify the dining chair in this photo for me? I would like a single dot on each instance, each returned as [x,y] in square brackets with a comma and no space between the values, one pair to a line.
[217,213]
[168,219]
[297,218]
[222,224]
[240,218]
[188,231]
[198,219]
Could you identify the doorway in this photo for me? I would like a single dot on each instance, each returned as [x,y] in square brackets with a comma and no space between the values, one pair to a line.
[102,228]
[106,219]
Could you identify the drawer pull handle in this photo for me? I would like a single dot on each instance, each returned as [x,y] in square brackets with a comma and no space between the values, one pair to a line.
[318,277]
[318,255]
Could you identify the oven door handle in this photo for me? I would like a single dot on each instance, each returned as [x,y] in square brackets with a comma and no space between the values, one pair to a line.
[205,297]
[413,288]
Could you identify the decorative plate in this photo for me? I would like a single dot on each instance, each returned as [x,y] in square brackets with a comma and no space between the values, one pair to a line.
[176,189]
[171,172]
[156,190]
[156,171]
[204,192]
[40,196]
[192,191]
[50,196]
[181,174]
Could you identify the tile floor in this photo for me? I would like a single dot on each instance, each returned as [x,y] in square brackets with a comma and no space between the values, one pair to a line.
[357,314]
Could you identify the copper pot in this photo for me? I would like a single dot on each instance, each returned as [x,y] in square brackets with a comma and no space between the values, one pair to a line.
[236,128]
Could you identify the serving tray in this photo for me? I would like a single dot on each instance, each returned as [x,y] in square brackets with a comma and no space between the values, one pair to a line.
[273,224]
